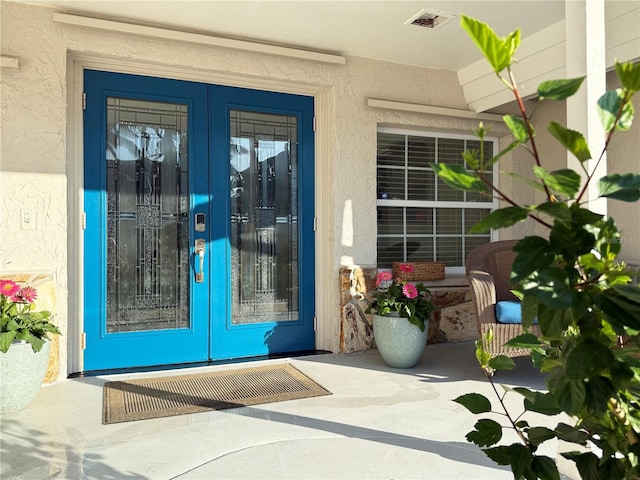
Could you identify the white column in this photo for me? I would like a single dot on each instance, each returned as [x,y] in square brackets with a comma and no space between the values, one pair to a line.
[585,49]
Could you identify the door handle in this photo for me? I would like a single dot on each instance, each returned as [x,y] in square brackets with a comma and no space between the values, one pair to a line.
[200,248]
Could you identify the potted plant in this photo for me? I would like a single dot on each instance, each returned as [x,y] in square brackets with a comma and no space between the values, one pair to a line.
[401,319]
[24,349]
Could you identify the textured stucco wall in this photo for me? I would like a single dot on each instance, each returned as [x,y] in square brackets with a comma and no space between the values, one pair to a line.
[35,138]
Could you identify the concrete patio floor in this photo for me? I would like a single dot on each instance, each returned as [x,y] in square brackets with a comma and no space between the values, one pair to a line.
[379,423]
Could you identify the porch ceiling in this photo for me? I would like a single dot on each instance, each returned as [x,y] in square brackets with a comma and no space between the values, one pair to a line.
[381,30]
[363,28]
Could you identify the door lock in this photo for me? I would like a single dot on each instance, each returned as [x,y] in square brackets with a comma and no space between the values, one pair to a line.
[200,247]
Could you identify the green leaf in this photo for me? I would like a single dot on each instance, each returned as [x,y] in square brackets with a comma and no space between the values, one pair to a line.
[533,253]
[504,217]
[36,343]
[565,181]
[500,455]
[551,287]
[487,432]
[557,210]
[517,126]
[458,177]
[571,140]
[525,340]
[630,292]
[611,468]
[620,306]
[512,42]
[474,402]
[559,89]
[609,106]
[498,52]
[629,75]
[5,340]
[543,403]
[502,362]
[532,183]
[525,392]
[569,394]
[575,239]
[539,359]
[529,307]
[545,467]
[620,187]
[554,321]
[537,435]
[471,159]
[598,392]
[587,465]
[482,355]
[589,358]
[521,459]
[571,434]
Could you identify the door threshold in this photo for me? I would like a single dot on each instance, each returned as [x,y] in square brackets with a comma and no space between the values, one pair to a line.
[177,366]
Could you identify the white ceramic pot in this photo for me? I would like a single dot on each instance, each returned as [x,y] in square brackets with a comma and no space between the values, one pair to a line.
[22,375]
[399,342]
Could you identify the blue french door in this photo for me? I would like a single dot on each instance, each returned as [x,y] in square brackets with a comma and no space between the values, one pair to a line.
[199,241]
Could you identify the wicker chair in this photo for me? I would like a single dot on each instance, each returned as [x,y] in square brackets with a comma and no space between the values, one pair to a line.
[488,269]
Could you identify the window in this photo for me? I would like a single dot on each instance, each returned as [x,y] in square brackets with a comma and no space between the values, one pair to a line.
[420,218]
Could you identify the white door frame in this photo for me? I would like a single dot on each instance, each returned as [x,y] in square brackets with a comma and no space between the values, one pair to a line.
[326,301]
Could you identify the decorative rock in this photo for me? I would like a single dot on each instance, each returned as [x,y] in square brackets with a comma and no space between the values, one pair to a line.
[435,333]
[446,298]
[356,331]
[458,322]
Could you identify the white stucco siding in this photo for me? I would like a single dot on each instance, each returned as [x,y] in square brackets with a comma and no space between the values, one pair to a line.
[32,156]
[35,169]
[624,157]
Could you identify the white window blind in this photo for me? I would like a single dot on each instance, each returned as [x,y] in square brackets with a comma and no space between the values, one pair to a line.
[420,218]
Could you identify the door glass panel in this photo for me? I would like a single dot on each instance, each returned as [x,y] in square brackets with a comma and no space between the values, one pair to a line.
[264,217]
[148,272]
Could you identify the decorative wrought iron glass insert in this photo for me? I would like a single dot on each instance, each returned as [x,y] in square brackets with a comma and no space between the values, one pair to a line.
[264,217]
[148,272]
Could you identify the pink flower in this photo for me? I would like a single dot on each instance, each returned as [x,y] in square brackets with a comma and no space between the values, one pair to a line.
[25,295]
[410,291]
[383,277]
[8,288]
[406,268]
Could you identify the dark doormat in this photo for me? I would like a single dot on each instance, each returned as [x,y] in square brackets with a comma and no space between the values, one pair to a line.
[142,399]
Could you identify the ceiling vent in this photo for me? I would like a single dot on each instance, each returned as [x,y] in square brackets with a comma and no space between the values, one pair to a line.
[430,19]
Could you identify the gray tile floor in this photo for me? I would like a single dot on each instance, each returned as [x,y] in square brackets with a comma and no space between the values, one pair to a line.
[379,423]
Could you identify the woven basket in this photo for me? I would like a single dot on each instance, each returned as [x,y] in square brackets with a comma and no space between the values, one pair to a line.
[421,271]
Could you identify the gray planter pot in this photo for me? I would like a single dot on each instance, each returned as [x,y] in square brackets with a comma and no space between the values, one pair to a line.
[22,375]
[399,342]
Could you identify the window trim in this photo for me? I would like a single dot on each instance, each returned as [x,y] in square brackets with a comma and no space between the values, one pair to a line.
[408,131]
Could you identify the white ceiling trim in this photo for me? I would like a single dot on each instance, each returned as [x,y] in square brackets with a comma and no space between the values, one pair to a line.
[7,61]
[432,110]
[181,36]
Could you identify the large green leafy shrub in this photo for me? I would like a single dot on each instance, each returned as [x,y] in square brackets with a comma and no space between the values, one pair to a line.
[571,280]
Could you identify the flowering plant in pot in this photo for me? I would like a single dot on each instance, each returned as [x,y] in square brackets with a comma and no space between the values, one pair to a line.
[24,349]
[410,301]
[401,315]
[19,321]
